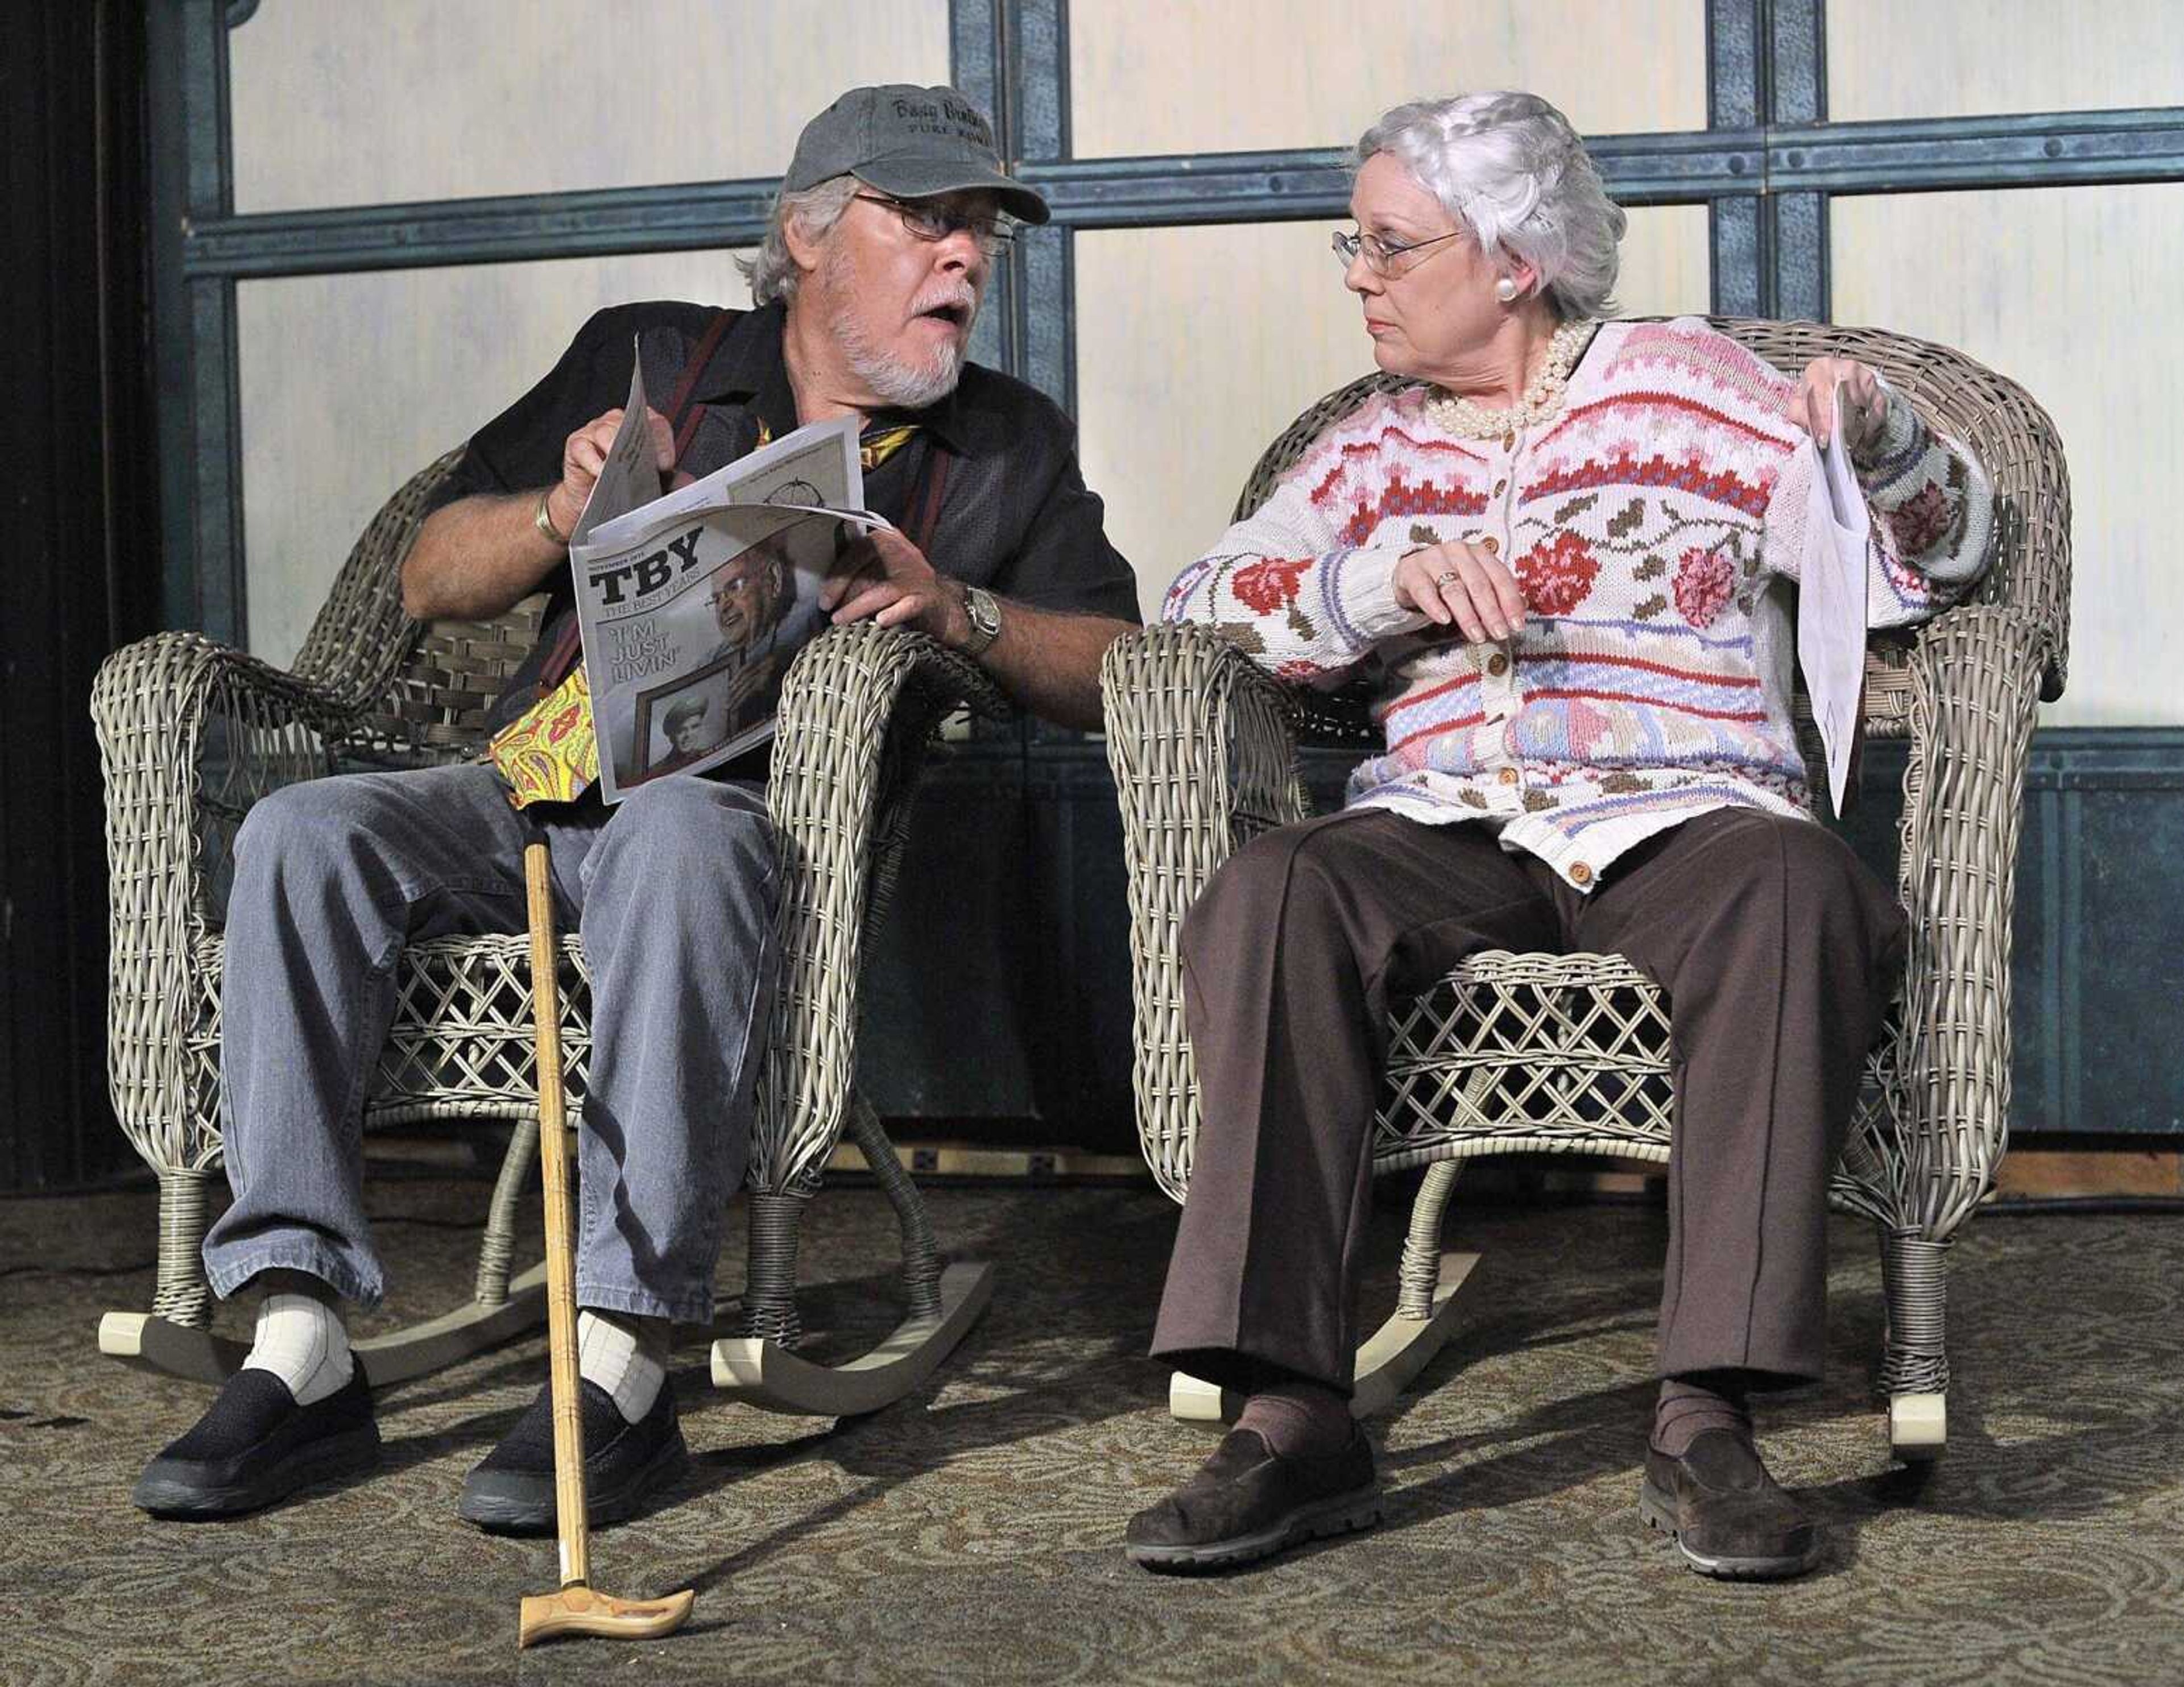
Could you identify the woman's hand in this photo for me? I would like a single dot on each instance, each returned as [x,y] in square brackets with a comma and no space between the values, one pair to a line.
[1465,585]
[1865,405]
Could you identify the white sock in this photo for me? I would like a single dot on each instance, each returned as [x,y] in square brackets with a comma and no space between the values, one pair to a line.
[301,1340]
[626,1355]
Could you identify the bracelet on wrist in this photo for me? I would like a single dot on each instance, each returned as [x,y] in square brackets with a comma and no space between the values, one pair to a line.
[544,522]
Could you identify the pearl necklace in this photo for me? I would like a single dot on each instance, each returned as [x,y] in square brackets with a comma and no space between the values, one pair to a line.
[1465,419]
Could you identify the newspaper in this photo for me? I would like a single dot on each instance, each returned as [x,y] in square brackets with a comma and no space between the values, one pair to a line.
[1831,602]
[692,603]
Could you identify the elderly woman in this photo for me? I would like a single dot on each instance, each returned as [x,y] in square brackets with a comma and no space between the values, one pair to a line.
[1561,559]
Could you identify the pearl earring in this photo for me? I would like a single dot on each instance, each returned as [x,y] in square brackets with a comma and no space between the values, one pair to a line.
[1506,291]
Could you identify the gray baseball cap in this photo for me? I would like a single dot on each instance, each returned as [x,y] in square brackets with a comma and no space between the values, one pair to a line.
[911,142]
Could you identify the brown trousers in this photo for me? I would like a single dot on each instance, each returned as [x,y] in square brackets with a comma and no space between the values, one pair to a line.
[1774,943]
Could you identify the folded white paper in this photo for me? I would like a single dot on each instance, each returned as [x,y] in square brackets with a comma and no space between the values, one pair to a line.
[1831,602]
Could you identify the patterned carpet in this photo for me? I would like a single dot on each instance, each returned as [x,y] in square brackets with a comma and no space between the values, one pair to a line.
[970,1534]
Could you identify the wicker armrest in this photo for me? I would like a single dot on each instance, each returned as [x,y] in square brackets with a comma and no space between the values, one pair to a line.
[166,680]
[190,733]
[858,709]
[1975,679]
[1202,746]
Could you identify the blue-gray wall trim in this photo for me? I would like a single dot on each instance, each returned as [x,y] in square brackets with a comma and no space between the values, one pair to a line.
[511,229]
[2025,149]
[2065,148]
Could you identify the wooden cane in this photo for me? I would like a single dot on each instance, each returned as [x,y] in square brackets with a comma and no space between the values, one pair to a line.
[577,1608]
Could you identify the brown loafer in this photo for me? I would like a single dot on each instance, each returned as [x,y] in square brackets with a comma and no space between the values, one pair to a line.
[1726,1513]
[1248,1503]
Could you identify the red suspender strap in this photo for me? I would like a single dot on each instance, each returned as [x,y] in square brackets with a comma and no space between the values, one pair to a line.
[685,427]
[561,659]
[925,502]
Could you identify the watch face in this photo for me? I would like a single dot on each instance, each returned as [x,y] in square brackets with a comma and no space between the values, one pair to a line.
[985,613]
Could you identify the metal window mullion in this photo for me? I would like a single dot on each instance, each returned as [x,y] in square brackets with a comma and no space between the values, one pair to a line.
[976,58]
[1797,93]
[1738,225]
[200,445]
[1767,65]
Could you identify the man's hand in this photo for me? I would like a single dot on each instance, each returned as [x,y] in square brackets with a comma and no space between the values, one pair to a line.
[750,679]
[885,578]
[1865,406]
[1047,659]
[585,454]
[1463,584]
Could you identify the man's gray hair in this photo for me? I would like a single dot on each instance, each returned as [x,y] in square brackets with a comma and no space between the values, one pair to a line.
[1508,167]
[772,274]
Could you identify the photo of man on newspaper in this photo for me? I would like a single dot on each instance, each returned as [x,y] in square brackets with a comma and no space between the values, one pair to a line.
[759,611]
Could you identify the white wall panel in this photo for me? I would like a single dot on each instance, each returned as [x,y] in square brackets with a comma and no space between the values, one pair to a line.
[2071,292]
[1196,346]
[1961,58]
[1244,75]
[377,102]
[350,384]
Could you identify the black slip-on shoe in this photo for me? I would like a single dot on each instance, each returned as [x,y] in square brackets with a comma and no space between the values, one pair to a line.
[511,1492]
[1248,1503]
[255,1446]
[1726,1512]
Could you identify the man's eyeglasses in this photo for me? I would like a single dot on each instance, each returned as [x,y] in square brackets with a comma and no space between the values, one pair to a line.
[928,219]
[1383,257]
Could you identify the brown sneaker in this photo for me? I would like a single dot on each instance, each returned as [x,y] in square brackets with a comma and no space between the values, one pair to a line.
[1248,1503]
[1726,1512]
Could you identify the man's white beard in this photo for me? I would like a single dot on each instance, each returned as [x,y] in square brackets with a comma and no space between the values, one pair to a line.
[906,385]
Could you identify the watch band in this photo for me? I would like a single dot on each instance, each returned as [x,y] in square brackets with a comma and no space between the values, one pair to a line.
[983,611]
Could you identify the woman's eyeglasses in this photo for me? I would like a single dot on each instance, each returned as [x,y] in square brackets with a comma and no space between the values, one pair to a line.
[1382,257]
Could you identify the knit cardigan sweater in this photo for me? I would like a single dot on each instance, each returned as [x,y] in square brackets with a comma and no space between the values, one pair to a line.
[1655,522]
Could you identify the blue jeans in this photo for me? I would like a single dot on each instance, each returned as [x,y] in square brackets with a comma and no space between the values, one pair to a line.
[673,892]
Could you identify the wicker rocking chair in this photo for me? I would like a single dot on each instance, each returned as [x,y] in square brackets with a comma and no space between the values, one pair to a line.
[1542,1053]
[191,734]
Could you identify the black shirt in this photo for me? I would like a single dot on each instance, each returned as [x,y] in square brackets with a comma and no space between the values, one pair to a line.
[1017,516]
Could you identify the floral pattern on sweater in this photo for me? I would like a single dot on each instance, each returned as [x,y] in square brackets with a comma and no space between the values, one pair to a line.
[1655,525]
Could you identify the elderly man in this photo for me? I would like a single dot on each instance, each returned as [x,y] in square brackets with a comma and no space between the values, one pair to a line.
[750,601]
[879,254]
[750,605]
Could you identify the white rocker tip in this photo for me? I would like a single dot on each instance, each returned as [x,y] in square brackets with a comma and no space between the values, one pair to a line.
[147,1342]
[1917,1427]
[1386,1364]
[1192,1399]
[151,1342]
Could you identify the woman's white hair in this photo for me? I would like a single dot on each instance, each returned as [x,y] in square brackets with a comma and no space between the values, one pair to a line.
[772,273]
[1509,168]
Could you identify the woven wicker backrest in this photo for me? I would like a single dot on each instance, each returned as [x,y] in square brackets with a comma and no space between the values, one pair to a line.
[436,701]
[2012,437]
[419,691]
